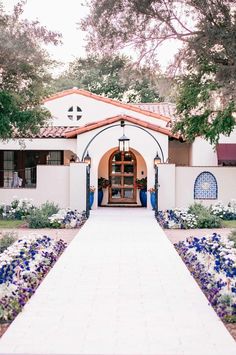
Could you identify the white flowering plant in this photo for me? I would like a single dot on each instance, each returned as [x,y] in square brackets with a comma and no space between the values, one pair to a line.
[67,218]
[212,261]
[22,267]
[226,212]
[17,209]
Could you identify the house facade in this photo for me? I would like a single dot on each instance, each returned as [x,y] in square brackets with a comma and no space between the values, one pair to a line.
[50,166]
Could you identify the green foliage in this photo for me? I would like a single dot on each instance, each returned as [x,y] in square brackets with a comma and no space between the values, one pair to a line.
[232,237]
[116,77]
[6,240]
[207,93]
[102,183]
[142,183]
[24,74]
[206,220]
[197,111]
[204,217]
[197,209]
[38,218]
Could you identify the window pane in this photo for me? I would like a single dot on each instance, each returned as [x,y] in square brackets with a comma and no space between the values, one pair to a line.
[117,157]
[128,193]
[116,180]
[128,168]
[128,157]
[116,168]
[54,158]
[116,193]
[128,180]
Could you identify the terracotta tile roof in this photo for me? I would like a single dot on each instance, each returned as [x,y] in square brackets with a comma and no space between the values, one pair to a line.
[130,119]
[166,109]
[51,132]
[131,107]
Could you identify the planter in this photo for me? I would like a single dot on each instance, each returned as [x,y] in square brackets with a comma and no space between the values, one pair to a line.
[91,199]
[100,197]
[153,200]
[143,197]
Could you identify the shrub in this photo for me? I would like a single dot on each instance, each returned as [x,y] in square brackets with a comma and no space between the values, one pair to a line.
[197,209]
[17,209]
[206,220]
[38,218]
[204,217]
[232,237]
[6,240]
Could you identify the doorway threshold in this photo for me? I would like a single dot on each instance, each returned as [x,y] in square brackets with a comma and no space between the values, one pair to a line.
[121,205]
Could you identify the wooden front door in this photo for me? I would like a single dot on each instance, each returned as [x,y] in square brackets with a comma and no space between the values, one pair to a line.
[122,173]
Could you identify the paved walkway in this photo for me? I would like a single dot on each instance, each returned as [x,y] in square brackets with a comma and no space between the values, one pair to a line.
[119,288]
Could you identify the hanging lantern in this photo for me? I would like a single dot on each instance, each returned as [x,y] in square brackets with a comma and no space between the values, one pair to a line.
[124,143]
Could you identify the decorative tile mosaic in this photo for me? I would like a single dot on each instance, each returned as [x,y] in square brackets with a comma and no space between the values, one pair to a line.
[205,186]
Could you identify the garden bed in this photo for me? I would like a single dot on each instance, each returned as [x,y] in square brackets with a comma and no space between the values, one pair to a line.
[199,216]
[23,265]
[212,262]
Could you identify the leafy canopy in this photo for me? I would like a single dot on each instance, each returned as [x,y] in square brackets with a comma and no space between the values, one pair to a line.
[23,73]
[116,77]
[207,57]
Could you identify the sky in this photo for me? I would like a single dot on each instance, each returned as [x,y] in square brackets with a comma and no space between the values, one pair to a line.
[63,16]
[58,15]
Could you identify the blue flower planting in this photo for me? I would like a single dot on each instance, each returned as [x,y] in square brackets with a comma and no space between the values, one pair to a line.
[22,266]
[176,219]
[66,218]
[212,262]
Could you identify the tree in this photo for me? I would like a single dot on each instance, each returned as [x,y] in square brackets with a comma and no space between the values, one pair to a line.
[114,76]
[207,31]
[23,73]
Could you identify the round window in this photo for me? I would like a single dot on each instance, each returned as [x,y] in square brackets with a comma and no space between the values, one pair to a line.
[74,113]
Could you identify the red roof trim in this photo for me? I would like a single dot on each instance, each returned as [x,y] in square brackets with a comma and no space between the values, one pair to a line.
[107,100]
[98,124]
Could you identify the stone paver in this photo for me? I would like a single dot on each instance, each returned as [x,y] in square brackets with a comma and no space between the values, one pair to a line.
[119,288]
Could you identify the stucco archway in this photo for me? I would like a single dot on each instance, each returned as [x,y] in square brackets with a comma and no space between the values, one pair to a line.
[103,169]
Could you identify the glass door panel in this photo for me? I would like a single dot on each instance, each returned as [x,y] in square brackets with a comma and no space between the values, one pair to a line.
[122,172]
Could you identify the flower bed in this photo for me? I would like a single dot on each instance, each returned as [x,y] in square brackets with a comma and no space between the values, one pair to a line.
[17,209]
[225,212]
[66,218]
[212,262]
[176,219]
[197,216]
[22,267]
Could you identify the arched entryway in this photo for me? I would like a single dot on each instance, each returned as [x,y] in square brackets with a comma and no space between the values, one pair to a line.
[122,177]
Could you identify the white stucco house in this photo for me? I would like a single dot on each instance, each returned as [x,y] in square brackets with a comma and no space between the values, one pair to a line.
[51,165]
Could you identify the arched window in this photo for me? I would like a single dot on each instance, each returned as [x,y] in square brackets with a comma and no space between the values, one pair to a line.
[205,186]
[74,113]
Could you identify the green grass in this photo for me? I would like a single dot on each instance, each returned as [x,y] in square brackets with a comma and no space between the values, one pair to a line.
[229,224]
[11,223]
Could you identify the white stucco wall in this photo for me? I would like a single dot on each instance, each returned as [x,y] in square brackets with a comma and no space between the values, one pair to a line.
[92,110]
[40,144]
[52,185]
[202,153]
[64,185]
[185,178]
[166,177]
[77,186]
[230,139]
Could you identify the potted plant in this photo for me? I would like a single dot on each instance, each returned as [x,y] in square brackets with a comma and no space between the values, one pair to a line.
[142,186]
[91,196]
[102,184]
[153,200]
